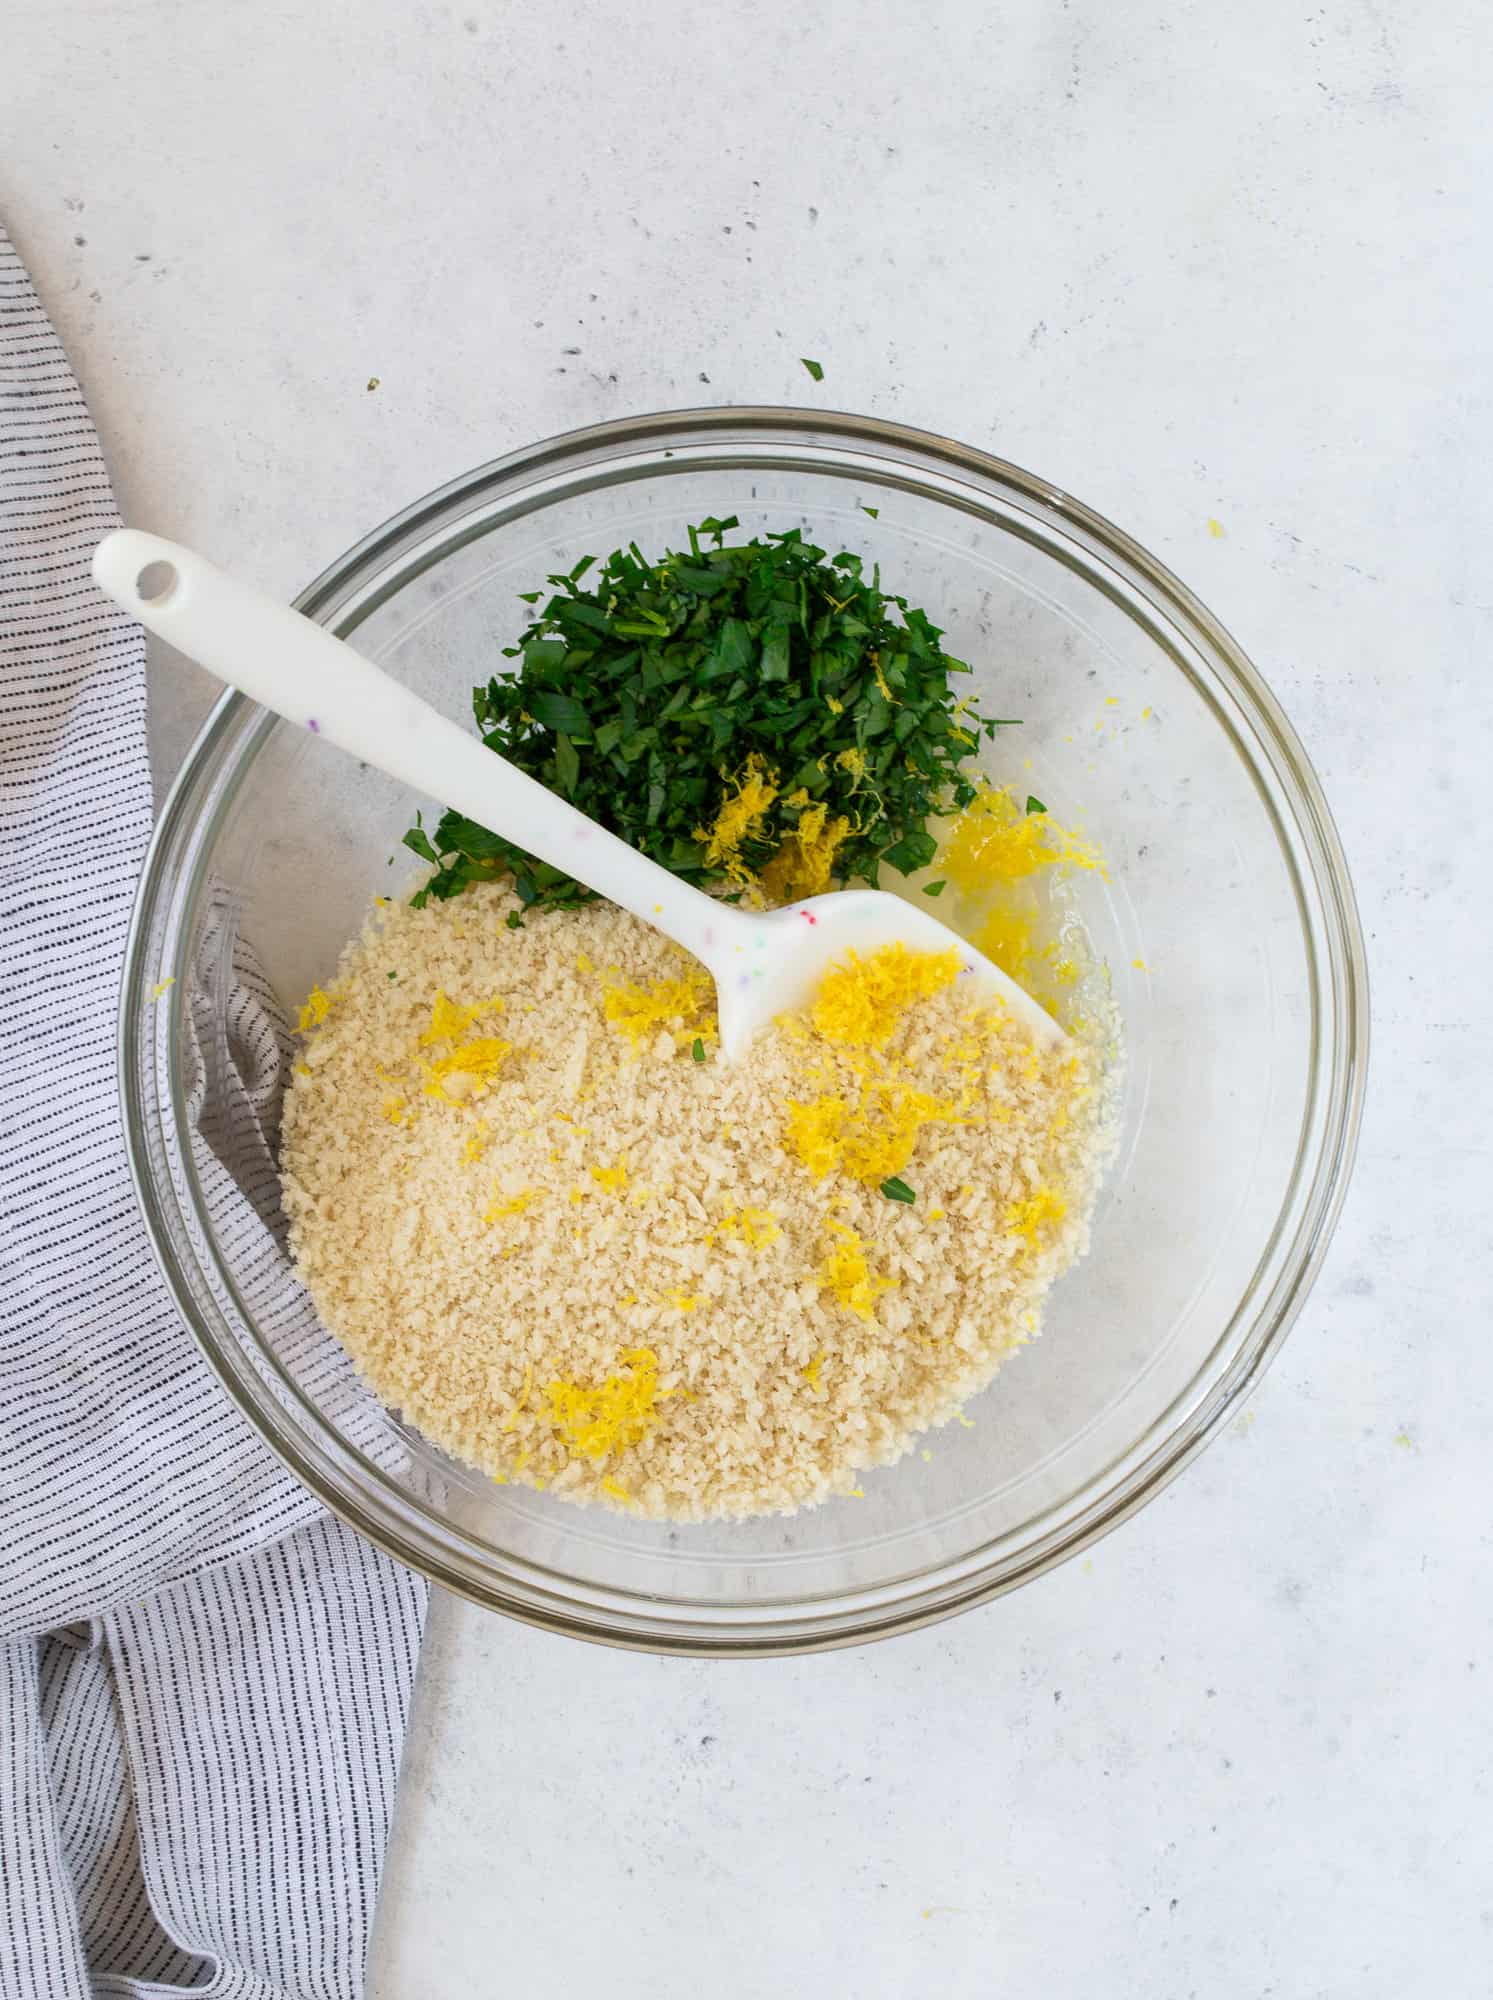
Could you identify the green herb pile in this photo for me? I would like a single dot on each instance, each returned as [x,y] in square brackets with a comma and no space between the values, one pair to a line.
[759,708]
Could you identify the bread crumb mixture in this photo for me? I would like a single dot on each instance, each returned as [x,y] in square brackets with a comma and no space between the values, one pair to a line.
[575,1250]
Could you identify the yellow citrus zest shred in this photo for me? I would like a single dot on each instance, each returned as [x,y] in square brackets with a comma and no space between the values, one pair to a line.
[1008,938]
[804,864]
[315,1010]
[613,1179]
[639,1011]
[861,1001]
[994,841]
[497,1208]
[867,1120]
[811,1372]
[468,1071]
[742,817]
[756,1228]
[1030,1217]
[682,1301]
[476,1145]
[846,1274]
[448,1022]
[594,1422]
[618,1492]
[870,1137]
[394,1109]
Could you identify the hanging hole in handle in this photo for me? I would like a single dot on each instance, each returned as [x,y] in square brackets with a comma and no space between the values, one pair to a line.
[156,582]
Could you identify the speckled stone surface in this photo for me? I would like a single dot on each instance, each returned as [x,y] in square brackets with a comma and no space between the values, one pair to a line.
[1190,263]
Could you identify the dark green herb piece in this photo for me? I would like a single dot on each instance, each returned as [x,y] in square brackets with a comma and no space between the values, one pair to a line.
[698,1050]
[513,920]
[874,512]
[646,692]
[1034,805]
[393,975]
[934,888]
[897,1190]
[813,367]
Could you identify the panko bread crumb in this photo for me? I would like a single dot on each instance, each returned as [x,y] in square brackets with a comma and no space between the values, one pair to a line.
[575,1250]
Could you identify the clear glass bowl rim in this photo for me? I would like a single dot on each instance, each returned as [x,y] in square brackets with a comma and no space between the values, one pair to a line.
[1333,939]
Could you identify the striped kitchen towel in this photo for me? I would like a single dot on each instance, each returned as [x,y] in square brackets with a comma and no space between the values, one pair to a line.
[204,1680]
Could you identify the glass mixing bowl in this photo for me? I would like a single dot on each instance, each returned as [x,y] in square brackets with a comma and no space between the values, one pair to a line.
[1227,919]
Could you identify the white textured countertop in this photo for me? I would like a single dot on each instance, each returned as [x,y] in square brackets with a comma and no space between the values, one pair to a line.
[1188,262]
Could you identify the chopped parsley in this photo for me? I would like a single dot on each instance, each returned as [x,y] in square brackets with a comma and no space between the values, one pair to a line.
[935,888]
[814,368]
[758,714]
[1034,805]
[698,1050]
[897,1190]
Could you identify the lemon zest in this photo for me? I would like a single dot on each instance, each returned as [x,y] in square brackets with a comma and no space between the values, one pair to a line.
[861,1001]
[638,1011]
[755,1227]
[804,864]
[741,817]
[993,841]
[871,1137]
[514,1205]
[448,1022]
[846,1274]
[1041,1209]
[618,1413]
[315,1010]
[480,1061]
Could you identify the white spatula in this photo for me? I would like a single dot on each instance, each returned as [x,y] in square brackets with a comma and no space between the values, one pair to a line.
[761,964]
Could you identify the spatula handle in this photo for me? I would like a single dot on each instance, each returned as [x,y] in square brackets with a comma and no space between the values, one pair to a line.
[317,682]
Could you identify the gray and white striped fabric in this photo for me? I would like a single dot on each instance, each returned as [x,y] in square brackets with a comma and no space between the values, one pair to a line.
[203,1680]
